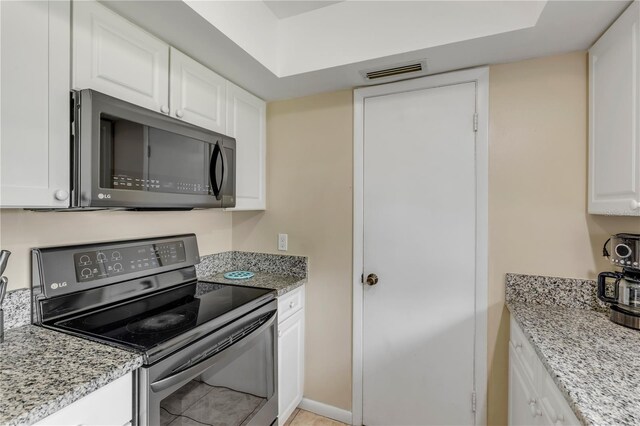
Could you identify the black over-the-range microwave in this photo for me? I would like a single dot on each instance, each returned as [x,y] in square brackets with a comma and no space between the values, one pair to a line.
[127,157]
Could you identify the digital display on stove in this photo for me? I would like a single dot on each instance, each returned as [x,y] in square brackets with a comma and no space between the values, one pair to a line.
[99,264]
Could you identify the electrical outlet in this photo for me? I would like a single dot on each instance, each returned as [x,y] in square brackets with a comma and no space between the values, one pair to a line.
[283,242]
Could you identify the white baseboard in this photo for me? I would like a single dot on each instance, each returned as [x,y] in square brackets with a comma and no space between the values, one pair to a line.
[325,410]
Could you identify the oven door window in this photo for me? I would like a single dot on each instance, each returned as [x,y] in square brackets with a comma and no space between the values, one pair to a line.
[137,157]
[230,395]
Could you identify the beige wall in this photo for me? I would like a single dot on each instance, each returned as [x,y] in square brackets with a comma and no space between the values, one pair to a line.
[21,230]
[537,191]
[309,193]
[538,219]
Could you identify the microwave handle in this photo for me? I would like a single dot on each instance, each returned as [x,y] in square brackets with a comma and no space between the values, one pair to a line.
[213,163]
[225,169]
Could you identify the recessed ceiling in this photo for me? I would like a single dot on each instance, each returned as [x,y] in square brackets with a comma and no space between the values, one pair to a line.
[325,49]
[285,9]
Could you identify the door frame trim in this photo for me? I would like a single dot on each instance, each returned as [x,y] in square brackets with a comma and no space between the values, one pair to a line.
[480,76]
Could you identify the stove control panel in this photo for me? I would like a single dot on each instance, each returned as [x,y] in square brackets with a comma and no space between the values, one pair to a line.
[98,264]
[68,269]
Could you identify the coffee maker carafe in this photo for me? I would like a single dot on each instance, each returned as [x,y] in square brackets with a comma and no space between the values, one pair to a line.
[621,289]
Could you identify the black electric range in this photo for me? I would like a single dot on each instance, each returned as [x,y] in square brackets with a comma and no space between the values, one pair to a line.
[140,295]
[144,296]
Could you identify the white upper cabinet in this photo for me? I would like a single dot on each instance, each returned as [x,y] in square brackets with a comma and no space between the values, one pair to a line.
[115,57]
[197,93]
[246,122]
[614,121]
[34,117]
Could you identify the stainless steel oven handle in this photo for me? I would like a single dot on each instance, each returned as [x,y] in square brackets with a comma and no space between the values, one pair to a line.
[183,375]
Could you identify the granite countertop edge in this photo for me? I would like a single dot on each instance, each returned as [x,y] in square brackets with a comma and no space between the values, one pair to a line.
[53,405]
[513,310]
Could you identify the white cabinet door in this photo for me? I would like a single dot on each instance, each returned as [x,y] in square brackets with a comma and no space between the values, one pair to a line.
[197,93]
[523,402]
[246,121]
[110,405]
[614,118]
[115,57]
[34,117]
[290,365]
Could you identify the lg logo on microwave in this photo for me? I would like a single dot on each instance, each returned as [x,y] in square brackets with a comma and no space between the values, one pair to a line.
[102,196]
[58,285]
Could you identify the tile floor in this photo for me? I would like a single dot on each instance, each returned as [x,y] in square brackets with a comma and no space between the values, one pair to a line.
[306,418]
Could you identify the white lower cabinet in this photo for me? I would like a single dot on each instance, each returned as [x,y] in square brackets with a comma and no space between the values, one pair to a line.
[534,399]
[110,405]
[290,352]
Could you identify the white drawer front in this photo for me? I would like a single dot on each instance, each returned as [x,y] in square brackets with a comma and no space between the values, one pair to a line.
[554,405]
[523,350]
[290,303]
[109,405]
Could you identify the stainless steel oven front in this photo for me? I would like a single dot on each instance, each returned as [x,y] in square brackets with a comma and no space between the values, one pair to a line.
[125,156]
[226,378]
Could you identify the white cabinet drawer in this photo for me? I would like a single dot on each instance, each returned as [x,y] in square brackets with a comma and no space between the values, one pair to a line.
[523,349]
[556,410]
[110,405]
[523,398]
[290,303]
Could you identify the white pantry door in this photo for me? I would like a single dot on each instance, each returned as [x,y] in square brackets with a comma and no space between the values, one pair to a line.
[419,239]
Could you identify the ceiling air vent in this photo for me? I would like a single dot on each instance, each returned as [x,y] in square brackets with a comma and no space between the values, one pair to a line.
[408,69]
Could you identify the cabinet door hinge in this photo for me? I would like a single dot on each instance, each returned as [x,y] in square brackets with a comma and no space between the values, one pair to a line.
[475,122]
[473,402]
[362,278]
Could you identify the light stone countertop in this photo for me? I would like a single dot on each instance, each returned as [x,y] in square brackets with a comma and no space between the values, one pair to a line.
[43,371]
[594,362]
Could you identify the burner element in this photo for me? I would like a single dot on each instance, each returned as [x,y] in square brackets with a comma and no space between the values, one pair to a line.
[161,322]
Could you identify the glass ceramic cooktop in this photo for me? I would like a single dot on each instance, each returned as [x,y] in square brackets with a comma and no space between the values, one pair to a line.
[152,320]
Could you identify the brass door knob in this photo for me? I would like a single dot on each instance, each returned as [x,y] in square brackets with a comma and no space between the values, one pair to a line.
[372,279]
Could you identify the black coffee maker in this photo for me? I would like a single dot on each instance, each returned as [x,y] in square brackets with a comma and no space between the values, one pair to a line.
[621,289]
